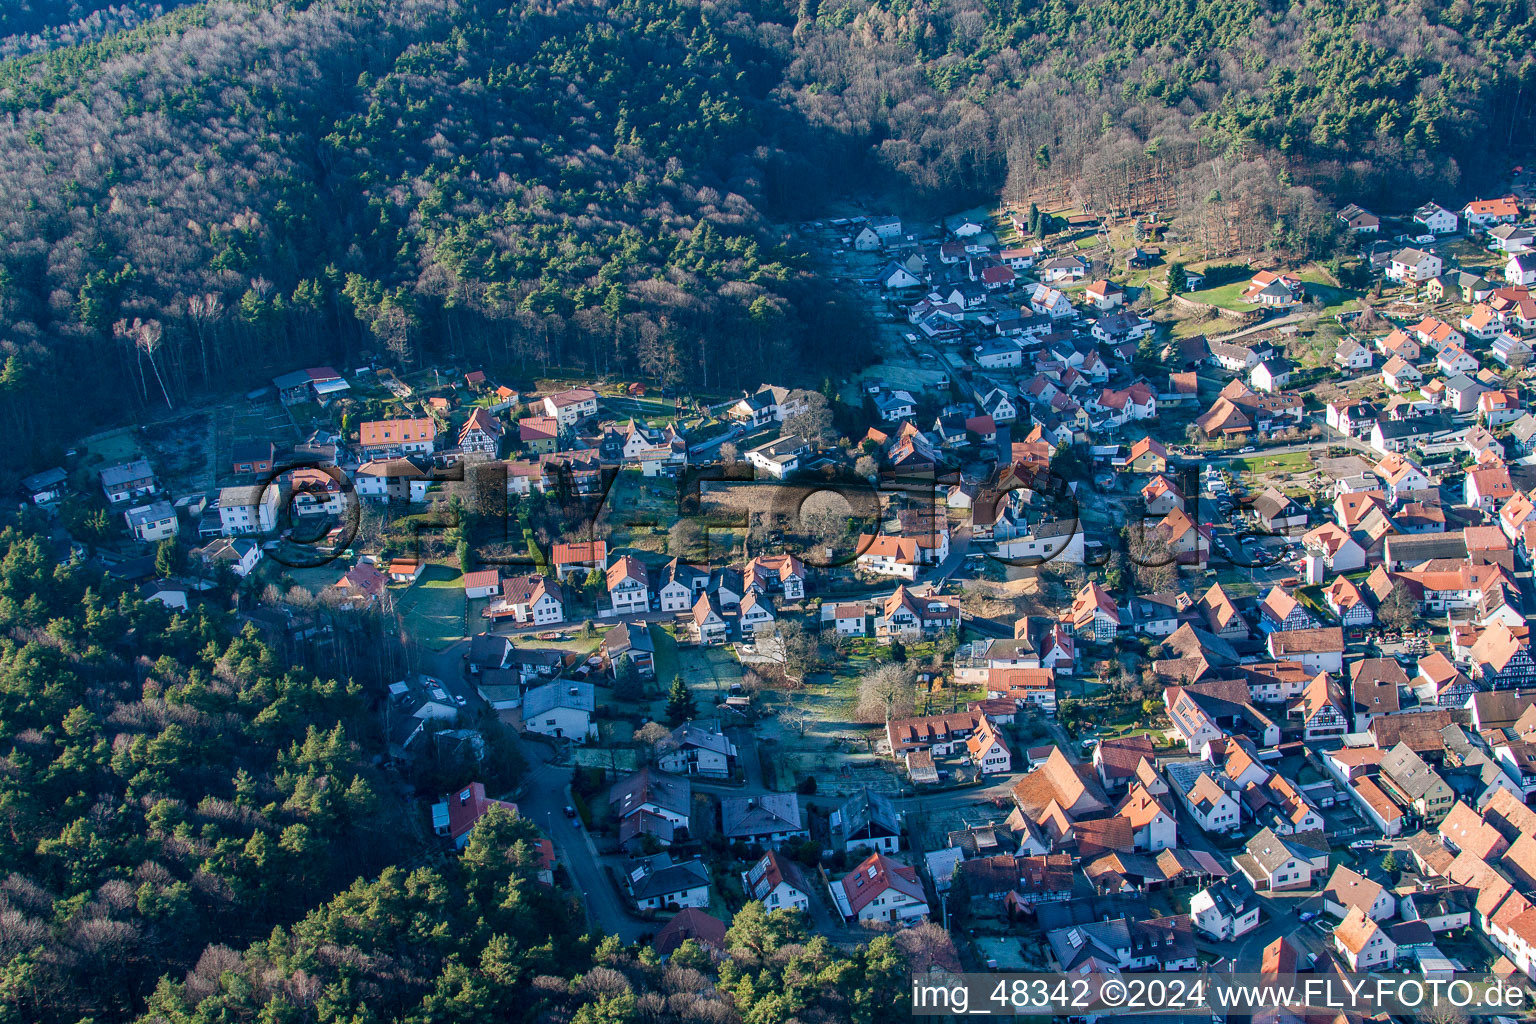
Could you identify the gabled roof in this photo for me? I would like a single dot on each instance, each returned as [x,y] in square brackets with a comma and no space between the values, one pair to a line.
[875,876]
[742,816]
[1351,889]
[1355,931]
[690,923]
[646,787]
[468,805]
[538,429]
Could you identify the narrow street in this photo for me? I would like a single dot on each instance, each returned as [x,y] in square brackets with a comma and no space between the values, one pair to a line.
[543,799]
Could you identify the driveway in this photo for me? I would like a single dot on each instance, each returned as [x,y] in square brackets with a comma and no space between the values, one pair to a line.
[959,547]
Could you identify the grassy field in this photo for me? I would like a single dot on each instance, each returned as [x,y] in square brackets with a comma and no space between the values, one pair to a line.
[1230,295]
[1290,462]
[1227,296]
[640,511]
[653,410]
[114,447]
[432,608]
[668,666]
[1335,299]
[317,578]
[707,671]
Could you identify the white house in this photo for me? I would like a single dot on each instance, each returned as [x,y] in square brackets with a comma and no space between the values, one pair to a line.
[1104,295]
[388,480]
[1351,355]
[629,589]
[1363,943]
[1521,269]
[895,277]
[1154,825]
[988,751]
[1276,862]
[1454,359]
[895,406]
[847,619]
[696,750]
[1271,375]
[248,509]
[1320,650]
[659,884]
[1048,301]
[777,883]
[1213,808]
[1436,219]
[1225,910]
[241,553]
[128,481]
[531,599]
[1482,212]
[1413,266]
[152,523]
[781,457]
[572,406]
[1063,268]
[998,354]
[888,556]
[1347,889]
[562,709]
[881,890]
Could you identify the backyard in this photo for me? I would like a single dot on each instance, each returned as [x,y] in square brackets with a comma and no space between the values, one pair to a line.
[432,608]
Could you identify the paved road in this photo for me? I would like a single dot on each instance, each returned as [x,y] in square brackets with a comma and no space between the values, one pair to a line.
[543,798]
[959,547]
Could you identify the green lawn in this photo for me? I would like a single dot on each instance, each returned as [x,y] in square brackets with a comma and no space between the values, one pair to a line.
[1227,296]
[667,665]
[1290,462]
[317,578]
[114,447]
[1335,299]
[707,671]
[432,608]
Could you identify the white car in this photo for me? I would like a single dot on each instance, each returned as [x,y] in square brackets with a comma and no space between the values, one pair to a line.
[1245,451]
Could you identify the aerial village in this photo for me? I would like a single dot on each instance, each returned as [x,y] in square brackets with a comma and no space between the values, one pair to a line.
[1135,612]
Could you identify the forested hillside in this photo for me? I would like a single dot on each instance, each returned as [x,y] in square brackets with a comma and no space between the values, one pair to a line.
[195,832]
[1210,109]
[27,25]
[566,184]
[591,185]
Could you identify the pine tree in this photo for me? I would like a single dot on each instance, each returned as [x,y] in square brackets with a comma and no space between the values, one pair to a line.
[1178,280]
[680,703]
[167,558]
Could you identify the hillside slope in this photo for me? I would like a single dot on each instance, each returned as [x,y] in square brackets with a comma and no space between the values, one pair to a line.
[568,184]
[595,186]
[1216,111]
